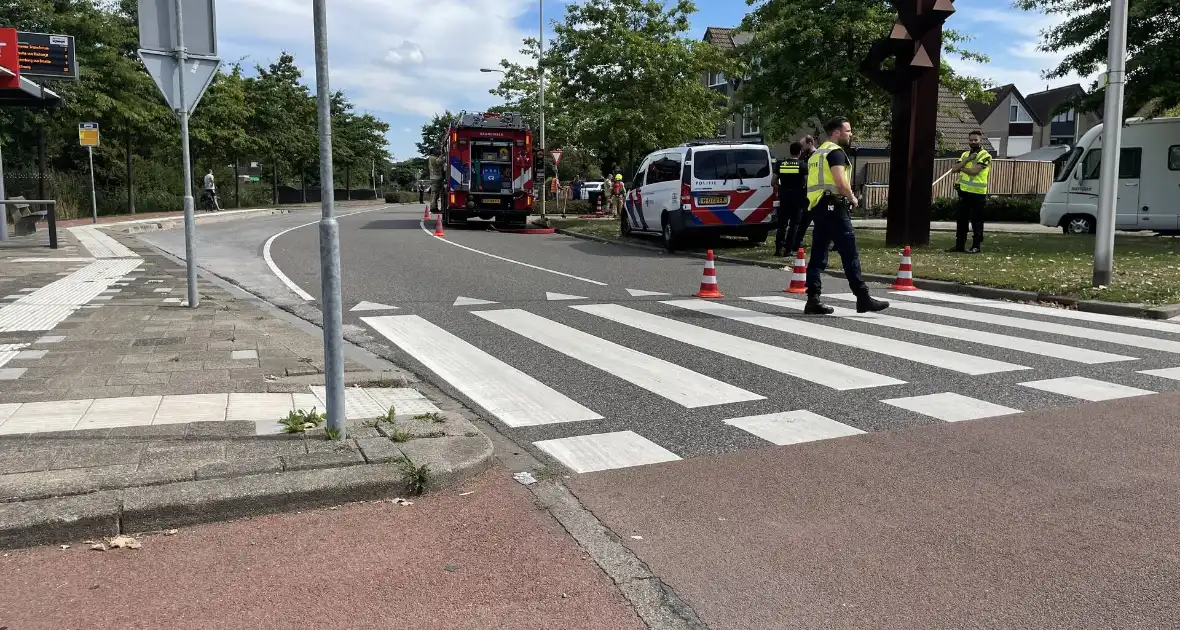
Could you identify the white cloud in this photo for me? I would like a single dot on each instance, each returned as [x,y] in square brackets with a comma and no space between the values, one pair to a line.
[405,53]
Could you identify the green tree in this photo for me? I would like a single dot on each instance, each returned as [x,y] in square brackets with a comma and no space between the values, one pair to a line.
[803,63]
[626,72]
[433,132]
[1153,50]
[282,120]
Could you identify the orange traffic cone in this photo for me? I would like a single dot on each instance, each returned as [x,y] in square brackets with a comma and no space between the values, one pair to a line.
[905,273]
[798,274]
[598,208]
[438,231]
[426,213]
[709,280]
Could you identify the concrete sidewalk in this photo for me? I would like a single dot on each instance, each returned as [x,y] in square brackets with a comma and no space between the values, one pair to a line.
[122,410]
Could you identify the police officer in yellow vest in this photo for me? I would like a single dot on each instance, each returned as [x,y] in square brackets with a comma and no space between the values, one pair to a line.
[973,168]
[830,198]
[792,200]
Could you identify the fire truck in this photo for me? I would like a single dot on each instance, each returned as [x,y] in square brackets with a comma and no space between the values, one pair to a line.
[489,169]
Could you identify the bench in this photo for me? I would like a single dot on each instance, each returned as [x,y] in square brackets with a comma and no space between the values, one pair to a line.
[25,217]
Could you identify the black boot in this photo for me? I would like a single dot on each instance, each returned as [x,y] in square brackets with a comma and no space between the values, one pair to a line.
[866,303]
[815,307]
[778,252]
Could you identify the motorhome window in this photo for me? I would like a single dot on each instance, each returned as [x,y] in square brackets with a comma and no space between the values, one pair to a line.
[1069,160]
[1130,163]
[1174,157]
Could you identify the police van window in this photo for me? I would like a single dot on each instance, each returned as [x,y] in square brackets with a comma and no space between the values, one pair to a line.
[1174,157]
[1130,163]
[663,170]
[749,163]
[710,164]
[731,164]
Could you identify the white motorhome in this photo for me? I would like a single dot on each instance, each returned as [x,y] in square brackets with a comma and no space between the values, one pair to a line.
[1149,181]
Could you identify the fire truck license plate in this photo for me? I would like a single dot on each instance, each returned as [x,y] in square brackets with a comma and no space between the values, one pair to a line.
[713,201]
[493,202]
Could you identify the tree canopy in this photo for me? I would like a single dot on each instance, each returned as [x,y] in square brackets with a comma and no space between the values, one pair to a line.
[1153,50]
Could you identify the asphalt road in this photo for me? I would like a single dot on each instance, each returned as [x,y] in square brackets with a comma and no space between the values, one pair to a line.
[388,258]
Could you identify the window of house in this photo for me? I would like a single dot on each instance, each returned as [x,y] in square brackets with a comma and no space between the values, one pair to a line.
[1064,117]
[750,124]
[716,78]
[1018,115]
[1060,140]
[1174,157]
[1130,163]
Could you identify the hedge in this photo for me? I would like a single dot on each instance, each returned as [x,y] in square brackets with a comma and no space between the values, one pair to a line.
[1015,209]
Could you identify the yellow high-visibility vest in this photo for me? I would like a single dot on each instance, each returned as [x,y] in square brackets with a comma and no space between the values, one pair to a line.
[819,174]
[976,184]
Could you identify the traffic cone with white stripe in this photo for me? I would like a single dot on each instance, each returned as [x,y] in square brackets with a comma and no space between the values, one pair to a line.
[905,273]
[798,274]
[438,231]
[709,279]
[426,213]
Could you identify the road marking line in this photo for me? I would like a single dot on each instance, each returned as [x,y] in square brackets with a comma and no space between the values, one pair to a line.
[1172,373]
[996,340]
[466,301]
[991,319]
[1097,318]
[642,293]
[605,451]
[561,297]
[270,262]
[371,306]
[422,225]
[936,357]
[514,397]
[951,407]
[1086,388]
[793,427]
[669,380]
[814,369]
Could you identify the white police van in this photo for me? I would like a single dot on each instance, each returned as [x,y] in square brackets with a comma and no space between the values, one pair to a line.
[703,188]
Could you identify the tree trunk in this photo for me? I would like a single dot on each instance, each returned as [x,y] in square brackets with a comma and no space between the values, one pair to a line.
[303,183]
[274,181]
[41,160]
[237,184]
[347,182]
[130,177]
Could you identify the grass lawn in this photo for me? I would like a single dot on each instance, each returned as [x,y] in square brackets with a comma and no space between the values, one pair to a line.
[1147,268]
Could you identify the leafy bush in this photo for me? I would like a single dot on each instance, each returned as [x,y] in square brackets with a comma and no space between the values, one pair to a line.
[1023,209]
[401,196]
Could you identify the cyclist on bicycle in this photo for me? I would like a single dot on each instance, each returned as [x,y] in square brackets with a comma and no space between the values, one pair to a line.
[209,196]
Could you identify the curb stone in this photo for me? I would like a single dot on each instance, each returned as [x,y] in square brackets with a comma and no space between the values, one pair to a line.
[943,286]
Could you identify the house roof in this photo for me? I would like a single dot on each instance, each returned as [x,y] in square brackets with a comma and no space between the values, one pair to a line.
[720,37]
[1044,105]
[955,122]
[983,110]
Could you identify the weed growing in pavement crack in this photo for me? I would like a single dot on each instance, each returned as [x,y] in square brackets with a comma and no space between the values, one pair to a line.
[299,420]
[389,416]
[331,434]
[418,476]
[432,417]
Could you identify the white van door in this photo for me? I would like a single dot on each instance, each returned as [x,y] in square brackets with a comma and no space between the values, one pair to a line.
[1127,206]
[634,202]
[662,192]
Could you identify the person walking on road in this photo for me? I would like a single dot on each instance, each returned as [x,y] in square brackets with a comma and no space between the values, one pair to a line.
[973,168]
[421,194]
[211,191]
[618,191]
[435,165]
[792,200]
[831,200]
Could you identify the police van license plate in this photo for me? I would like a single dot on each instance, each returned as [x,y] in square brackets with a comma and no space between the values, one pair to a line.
[713,201]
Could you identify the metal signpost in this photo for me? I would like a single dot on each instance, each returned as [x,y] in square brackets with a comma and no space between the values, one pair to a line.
[1112,135]
[329,231]
[88,137]
[541,91]
[178,44]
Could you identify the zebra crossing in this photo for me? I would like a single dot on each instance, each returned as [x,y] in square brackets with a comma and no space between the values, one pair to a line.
[602,384]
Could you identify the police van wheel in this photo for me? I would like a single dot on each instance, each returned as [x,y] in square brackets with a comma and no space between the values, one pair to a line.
[624,225]
[669,234]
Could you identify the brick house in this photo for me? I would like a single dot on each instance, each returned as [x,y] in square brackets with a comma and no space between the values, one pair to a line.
[1016,124]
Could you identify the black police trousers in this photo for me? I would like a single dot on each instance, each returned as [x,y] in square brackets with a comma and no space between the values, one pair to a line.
[833,228]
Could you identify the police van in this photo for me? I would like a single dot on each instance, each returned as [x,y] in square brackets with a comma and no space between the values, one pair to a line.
[703,188]
[1148,194]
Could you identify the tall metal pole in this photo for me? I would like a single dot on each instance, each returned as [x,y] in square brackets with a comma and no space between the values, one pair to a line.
[541,98]
[3,208]
[190,256]
[329,230]
[93,200]
[1112,133]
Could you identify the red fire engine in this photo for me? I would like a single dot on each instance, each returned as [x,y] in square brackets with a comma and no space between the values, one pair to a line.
[489,168]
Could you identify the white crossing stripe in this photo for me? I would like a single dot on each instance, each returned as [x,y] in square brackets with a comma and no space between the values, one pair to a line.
[678,384]
[1171,373]
[951,407]
[559,297]
[991,319]
[937,357]
[814,369]
[1086,388]
[364,306]
[793,427]
[514,397]
[466,301]
[48,306]
[1064,313]
[605,451]
[645,293]
[983,337]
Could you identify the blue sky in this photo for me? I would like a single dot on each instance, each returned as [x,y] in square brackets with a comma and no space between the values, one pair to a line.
[403,60]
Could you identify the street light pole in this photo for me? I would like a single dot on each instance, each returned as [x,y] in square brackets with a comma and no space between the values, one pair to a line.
[329,232]
[1112,133]
[541,97]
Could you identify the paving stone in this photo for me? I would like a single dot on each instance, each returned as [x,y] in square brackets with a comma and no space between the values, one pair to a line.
[226,429]
[239,468]
[90,455]
[151,432]
[323,459]
[51,483]
[60,520]
[379,450]
[262,448]
[317,443]
[172,453]
[140,378]
[15,457]
[240,354]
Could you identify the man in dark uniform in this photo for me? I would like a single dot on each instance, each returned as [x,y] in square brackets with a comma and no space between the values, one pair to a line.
[805,215]
[792,200]
[830,198]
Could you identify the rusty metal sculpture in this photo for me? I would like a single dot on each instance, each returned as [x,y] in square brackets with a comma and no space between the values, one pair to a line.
[915,45]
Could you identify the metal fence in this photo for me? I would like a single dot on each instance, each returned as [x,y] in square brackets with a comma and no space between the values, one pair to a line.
[1007,178]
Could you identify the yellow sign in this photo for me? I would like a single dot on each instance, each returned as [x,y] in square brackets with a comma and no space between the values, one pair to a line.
[88,134]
